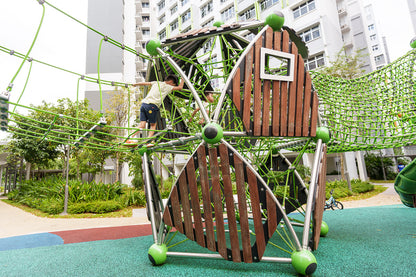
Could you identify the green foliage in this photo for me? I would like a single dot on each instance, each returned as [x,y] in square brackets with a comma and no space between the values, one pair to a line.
[341,190]
[345,66]
[133,197]
[374,167]
[135,165]
[96,207]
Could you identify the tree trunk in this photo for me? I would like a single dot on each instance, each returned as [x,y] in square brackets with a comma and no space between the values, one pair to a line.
[28,168]
[117,166]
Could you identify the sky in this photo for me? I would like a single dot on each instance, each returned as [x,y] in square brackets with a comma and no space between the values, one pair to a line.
[62,42]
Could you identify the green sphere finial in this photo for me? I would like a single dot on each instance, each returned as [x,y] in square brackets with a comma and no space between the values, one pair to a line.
[212,133]
[218,24]
[275,20]
[151,47]
[322,133]
[157,254]
[324,229]
[413,42]
[304,262]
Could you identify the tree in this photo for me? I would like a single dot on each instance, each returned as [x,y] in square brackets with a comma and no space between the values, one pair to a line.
[345,66]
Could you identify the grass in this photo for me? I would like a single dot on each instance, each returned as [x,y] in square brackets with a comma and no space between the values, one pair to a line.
[126,212]
[360,196]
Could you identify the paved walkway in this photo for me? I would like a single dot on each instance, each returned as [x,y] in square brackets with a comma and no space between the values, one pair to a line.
[16,222]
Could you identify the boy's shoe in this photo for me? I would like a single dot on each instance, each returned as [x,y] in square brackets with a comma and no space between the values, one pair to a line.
[131,143]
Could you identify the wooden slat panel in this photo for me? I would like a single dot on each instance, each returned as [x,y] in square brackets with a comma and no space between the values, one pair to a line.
[266,89]
[229,202]
[187,217]
[242,209]
[307,106]
[284,92]
[247,90]
[257,90]
[193,190]
[276,92]
[206,201]
[314,114]
[237,89]
[216,195]
[299,97]
[257,217]
[271,214]
[293,94]
[319,201]
[176,210]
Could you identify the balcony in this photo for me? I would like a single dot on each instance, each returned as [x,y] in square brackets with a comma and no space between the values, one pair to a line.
[342,11]
[345,27]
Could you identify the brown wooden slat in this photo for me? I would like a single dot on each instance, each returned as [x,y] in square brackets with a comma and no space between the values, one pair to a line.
[314,114]
[319,201]
[229,202]
[284,92]
[257,89]
[206,201]
[242,209]
[276,91]
[187,217]
[266,89]
[176,210]
[247,90]
[257,217]
[237,90]
[193,190]
[271,214]
[293,95]
[307,106]
[167,217]
[216,195]
[300,97]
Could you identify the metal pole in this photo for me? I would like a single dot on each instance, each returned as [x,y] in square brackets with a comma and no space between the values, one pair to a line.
[311,193]
[65,212]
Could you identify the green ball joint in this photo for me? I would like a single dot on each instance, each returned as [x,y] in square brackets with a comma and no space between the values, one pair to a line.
[158,254]
[212,133]
[413,43]
[324,229]
[304,262]
[218,24]
[151,47]
[322,133]
[275,20]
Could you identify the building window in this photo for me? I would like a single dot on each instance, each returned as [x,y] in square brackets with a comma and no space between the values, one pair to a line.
[250,36]
[184,2]
[162,35]
[223,1]
[373,37]
[251,13]
[228,13]
[174,25]
[304,8]
[145,5]
[310,34]
[375,47]
[315,62]
[174,9]
[205,10]
[207,46]
[187,30]
[161,5]
[208,23]
[378,58]
[371,27]
[146,32]
[186,16]
[162,19]
[264,5]
[146,18]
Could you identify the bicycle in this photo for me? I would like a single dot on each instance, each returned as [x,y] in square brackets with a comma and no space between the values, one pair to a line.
[331,203]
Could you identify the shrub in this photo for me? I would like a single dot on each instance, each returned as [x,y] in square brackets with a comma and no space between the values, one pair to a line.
[96,207]
[341,190]
[133,197]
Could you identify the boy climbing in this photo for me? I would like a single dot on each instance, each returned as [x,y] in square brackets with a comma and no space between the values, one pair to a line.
[151,103]
[209,98]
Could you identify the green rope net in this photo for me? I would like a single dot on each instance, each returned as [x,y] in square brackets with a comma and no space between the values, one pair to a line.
[375,111]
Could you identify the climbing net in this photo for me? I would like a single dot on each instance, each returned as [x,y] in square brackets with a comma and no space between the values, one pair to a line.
[375,111]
